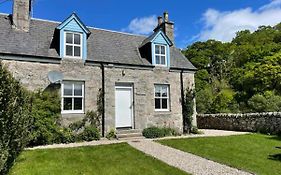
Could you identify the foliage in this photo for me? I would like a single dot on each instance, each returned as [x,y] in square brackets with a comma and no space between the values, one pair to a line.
[111,134]
[91,118]
[266,102]
[89,133]
[14,119]
[93,160]
[195,130]
[252,152]
[45,115]
[46,128]
[157,132]
[188,109]
[233,76]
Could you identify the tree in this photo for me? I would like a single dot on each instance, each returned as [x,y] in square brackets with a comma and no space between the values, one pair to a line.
[14,119]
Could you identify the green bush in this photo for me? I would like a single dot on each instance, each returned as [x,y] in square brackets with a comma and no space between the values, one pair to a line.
[153,132]
[45,115]
[156,132]
[90,133]
[111,134]
[15,119]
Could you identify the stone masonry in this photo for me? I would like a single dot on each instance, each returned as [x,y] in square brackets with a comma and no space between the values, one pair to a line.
[34,76]
[269,122]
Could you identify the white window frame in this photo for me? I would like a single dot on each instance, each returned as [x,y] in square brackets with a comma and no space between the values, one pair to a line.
[168,97]
[73,45]
[72,97]
[160,55]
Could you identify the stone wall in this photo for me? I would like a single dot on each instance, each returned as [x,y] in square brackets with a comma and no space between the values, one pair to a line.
[33,75]
[254,122]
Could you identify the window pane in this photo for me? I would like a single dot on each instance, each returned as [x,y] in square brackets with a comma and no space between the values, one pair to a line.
[164,91]
[69,38]
[67,89]
[157,59]
[163,50]
[67,103]
[164,103]
[77,89]
[157,91]
[78,103]
[157,103]
[77,38]
[77,51]
[157,49]
[69,51]
[163,60]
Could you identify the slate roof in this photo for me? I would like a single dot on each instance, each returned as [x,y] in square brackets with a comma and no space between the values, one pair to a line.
[42,40]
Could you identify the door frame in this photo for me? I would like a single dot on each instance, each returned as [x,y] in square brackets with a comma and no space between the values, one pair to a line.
[131,87]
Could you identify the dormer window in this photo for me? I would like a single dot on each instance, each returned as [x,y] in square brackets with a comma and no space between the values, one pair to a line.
[73,45]
[160,55]
[73,38]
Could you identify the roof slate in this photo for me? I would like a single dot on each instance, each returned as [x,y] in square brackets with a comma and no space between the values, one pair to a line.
[103,45]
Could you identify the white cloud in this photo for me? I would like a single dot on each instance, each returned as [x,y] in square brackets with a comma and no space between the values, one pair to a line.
[144,25]
[223,25]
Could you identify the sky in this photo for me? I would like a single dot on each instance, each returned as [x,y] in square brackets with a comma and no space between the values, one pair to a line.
[195,20]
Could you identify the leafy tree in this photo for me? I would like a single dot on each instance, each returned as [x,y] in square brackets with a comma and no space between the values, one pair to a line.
[234,76]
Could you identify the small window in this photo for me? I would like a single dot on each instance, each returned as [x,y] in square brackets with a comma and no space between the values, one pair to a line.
[72,97]
[161,97]
[160,55]
[73,45]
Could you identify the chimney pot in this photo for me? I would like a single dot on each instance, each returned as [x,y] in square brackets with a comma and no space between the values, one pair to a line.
[166,16]
[160,20]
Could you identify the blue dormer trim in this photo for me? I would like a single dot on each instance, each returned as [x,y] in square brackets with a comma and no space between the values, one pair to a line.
[75,25]
[160,38]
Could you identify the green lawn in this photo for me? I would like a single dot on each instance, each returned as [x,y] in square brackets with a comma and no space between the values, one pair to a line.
[254,153]
[117,159]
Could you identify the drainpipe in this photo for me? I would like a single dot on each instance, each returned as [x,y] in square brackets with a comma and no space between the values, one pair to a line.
[182,101]
[103,103]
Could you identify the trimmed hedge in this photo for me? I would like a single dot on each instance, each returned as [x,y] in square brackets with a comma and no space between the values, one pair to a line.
[156,132]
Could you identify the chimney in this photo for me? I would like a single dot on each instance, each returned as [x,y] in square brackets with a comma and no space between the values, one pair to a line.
[166,26]
[160,20]
[21,15]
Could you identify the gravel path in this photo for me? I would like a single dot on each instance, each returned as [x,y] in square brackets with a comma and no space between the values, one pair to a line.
[185,161]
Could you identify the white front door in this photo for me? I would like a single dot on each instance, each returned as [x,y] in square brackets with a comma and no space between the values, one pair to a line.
[123,106]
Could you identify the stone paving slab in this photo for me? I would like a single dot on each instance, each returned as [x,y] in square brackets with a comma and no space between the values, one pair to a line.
[185,161]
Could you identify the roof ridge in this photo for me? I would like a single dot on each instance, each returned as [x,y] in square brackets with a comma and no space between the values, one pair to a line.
[90,27]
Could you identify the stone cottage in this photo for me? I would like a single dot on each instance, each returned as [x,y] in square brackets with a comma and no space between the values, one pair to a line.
[143,78]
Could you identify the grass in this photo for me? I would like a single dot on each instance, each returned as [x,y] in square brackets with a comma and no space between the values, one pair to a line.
[255,153]
[116,159]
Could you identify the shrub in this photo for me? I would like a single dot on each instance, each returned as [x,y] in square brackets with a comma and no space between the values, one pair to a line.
[90,133]
[15,119]
[188,109]
[111,134]
[45,115]
[195,130]
[153,132]
[156,132]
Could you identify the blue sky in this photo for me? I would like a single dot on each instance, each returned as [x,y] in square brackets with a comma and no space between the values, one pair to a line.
[194,19]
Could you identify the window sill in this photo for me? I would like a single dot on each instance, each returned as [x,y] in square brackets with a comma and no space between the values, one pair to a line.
[72,112]
[162,110]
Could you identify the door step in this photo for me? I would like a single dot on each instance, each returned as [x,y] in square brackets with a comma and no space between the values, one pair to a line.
[132,133]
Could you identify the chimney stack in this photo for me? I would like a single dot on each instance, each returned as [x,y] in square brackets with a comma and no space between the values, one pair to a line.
[160,20]
[21,15]
[166,26]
